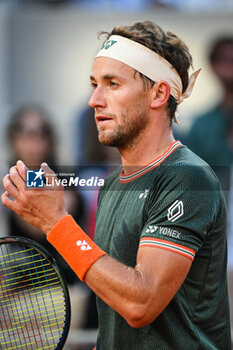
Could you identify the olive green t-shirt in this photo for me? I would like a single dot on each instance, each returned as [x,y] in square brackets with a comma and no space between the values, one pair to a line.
[174,203]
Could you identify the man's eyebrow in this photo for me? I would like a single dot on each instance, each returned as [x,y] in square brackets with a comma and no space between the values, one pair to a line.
[106,77]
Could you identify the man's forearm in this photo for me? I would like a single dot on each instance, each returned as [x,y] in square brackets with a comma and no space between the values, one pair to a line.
[127,290]
[123,288]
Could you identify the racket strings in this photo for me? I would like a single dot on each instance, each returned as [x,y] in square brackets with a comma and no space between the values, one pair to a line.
[32,302]
[13,332]
[36,293]
[19,280]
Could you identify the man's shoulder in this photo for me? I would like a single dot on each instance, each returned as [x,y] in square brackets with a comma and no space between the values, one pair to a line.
[187,168]
[185,157]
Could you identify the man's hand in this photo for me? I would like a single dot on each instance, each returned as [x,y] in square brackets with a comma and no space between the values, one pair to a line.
[42,207]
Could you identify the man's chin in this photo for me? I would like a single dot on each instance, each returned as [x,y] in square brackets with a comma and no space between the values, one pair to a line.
[105,138]
[112,139]
[106,141]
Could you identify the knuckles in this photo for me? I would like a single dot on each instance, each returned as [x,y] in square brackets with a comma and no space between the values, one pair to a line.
[13,173]
[14,198]
[4,198]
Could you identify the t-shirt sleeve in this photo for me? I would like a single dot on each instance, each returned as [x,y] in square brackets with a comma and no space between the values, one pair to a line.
[181,209]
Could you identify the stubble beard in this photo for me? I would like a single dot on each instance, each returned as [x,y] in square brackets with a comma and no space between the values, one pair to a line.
[125,136]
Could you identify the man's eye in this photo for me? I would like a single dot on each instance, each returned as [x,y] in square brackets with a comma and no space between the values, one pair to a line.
[94,85]
[112,84]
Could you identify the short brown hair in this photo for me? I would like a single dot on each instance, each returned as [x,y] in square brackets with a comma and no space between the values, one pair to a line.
[166,44]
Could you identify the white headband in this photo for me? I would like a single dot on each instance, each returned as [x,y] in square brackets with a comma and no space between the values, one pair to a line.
[148,63]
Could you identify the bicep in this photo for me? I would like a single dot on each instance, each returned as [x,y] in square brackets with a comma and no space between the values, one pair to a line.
[166,271]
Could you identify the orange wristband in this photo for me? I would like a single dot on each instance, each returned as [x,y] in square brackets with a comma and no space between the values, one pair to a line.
[74,245]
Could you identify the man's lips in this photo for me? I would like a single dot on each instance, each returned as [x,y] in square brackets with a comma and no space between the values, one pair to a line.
[103,118]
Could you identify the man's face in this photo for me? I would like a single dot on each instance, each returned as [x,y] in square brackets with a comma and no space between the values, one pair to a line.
[30,143]
[120,101]
[223,65]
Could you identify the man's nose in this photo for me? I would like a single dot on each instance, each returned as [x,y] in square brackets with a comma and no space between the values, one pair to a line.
[97,98]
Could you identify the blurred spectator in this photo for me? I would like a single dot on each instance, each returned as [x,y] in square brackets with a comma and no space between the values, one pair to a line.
[32,139]
[211,136]
[31,136]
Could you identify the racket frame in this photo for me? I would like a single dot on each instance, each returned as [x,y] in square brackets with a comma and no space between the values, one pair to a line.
[43,251]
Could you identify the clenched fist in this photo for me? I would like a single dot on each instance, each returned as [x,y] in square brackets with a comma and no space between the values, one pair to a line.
[40,207]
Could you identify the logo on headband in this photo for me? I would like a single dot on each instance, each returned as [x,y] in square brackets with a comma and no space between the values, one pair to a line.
[108,44]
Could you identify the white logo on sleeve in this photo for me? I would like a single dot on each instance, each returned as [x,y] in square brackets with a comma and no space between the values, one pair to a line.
[151,229]
[175,211]
[83,245]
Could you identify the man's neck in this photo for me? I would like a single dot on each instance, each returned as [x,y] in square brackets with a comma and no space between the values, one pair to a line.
[149,148]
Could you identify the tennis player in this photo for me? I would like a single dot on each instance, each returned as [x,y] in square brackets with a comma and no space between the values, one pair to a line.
[158,263]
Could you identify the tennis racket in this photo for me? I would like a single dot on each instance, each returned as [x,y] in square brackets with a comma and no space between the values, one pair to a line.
[34,300]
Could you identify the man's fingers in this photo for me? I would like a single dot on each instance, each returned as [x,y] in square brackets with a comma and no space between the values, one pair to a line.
[51,177]
[16,178]
[22,169]
[10,187]
[11,204]
[47,170]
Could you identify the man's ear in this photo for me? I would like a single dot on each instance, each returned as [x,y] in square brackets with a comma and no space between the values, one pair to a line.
[160,94]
